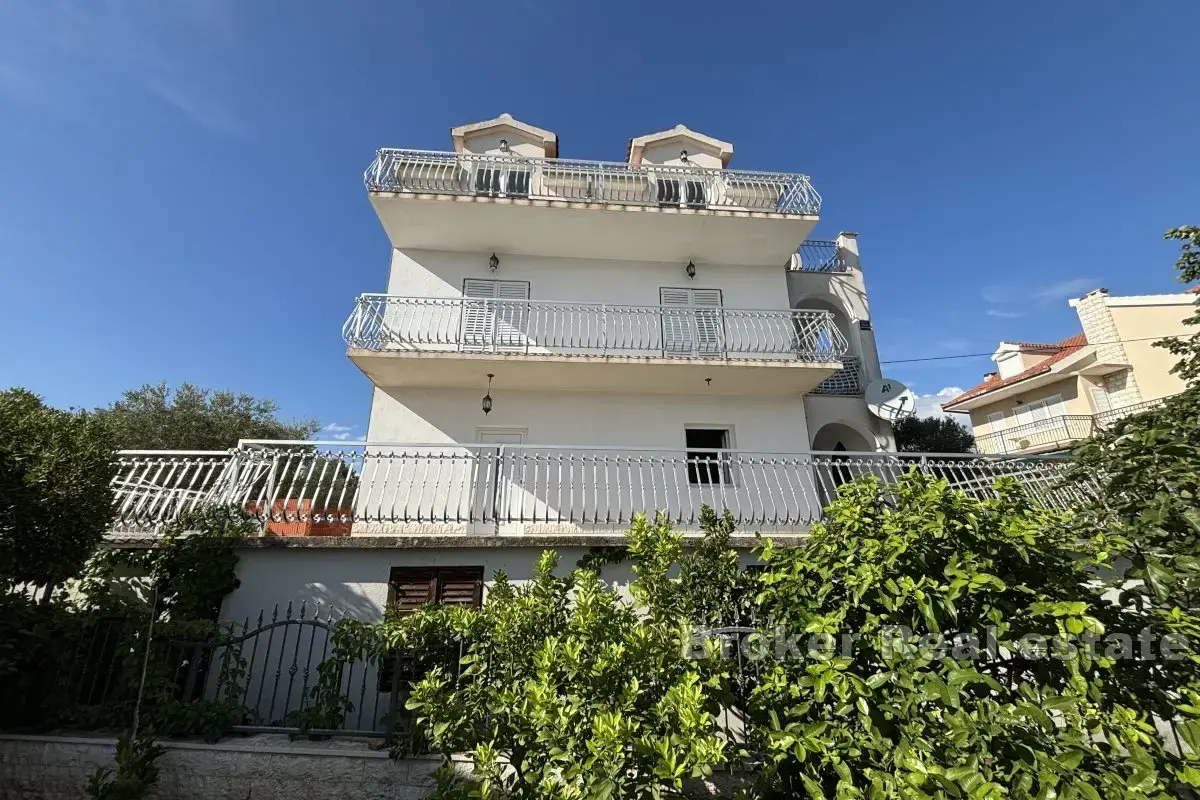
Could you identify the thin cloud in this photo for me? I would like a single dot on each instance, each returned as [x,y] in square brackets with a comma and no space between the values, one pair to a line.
[1064,289]
[1002,314]
[184,54]
[337,431]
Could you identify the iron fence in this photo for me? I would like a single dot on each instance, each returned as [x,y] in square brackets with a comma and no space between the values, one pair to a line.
[819,255]
[574,181]
[1056,432]
[523,327]
[331,487]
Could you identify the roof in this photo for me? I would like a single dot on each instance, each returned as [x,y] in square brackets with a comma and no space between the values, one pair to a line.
[549,139]
[639,143]
[1062,350]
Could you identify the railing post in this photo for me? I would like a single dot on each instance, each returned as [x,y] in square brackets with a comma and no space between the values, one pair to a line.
[497,454]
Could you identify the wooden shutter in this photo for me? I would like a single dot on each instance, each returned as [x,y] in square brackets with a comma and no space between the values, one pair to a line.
[409,588]
[460,586]
[698,329]
[477,316]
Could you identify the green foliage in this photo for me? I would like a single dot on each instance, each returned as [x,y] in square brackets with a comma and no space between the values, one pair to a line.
[136,774]
[885,718]
[191,418]
[55,500]
[78,662]
[570,691]
[932,435]
[1188,265]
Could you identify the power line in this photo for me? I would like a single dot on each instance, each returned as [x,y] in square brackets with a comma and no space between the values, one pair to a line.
[978,355]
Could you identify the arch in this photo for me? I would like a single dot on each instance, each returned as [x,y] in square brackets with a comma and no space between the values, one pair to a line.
[841,317]
[841,436]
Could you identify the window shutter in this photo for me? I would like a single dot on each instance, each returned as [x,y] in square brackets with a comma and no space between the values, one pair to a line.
[461,586]
[676,325]
[476,316]
[517,183]
[709,327]
[412,588]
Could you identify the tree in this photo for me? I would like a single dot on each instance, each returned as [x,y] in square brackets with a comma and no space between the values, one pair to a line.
[155,418]
[55,498]
[958,653]
[932,435]
[571,691]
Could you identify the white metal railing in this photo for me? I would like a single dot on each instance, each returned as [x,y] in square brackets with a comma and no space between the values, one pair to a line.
[339,486]
[1055,432]
[575,181]
[848,381]
[464,324]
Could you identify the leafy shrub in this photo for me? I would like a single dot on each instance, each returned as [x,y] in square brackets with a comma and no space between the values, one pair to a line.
[569,690]
[136,773]
[1039,713]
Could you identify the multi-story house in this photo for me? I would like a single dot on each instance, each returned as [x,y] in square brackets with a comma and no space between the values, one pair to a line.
[1046,397]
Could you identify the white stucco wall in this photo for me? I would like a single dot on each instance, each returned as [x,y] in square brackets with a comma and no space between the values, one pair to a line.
[432,416]
[432,273]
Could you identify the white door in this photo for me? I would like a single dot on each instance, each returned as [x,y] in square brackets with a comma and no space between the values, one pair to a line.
[692,322]
[495,314]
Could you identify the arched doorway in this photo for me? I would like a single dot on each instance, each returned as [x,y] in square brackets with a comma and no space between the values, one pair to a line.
[834,470]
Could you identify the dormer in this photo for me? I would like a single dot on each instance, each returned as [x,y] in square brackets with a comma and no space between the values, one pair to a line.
[505,135]
[1013,358]
[680,146]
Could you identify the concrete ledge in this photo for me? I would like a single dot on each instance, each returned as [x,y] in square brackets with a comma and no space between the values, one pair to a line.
[740,541]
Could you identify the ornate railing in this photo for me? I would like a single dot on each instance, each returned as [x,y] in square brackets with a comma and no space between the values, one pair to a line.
[386,322]
[605,182]
[1055,432]
[335,488]
[819,255]
[847,382]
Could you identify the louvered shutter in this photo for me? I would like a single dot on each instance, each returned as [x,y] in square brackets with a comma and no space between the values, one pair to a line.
[412,588]
[477,317]
[710,327]
[511,317]
[517,183]
[487,181]
[460,586]
[676,320]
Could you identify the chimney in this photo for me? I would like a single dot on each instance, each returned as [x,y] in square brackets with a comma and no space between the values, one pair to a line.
[988,377]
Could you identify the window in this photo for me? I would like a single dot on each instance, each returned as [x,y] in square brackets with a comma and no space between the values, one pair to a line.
[492,319]
[995,421]
[1100,400]
[1040,410]
[704,465]
[502,181]
[409,588]
[693,324]
[689,192]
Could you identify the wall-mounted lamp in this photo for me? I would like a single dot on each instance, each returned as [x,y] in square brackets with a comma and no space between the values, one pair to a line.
[683,156]
[690,269]
[487,398]
[504,145]
[708,382]
[493,262]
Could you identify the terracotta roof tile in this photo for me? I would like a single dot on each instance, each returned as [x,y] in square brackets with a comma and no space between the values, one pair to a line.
[1062,349]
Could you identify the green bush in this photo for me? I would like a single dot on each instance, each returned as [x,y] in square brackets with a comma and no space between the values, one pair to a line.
[1038,712]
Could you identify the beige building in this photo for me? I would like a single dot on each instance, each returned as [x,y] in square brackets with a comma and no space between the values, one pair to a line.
[1047,396]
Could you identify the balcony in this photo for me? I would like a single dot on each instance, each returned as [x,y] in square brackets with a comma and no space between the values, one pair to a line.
[1055,433]
[595,347]
[589,209]
[331,488]
[848,382]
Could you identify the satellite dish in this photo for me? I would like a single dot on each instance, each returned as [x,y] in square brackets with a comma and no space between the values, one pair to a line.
[890,400]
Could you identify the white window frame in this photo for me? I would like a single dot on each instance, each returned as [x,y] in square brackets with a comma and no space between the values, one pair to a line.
[1100,392]
[724,463]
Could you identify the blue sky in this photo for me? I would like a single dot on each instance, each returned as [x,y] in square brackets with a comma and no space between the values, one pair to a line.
[181,196]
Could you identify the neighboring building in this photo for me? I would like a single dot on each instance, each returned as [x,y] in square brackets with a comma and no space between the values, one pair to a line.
[1046,397]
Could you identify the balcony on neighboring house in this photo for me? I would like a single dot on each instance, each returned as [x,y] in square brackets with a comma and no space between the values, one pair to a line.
[1055,433]
[589,209]
[594,347]
[301,488]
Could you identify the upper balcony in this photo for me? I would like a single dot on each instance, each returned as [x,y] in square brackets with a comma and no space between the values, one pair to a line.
[597,347]
[590,209]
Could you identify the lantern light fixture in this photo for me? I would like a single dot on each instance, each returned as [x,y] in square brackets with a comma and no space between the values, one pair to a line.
[690,269]
[493,262]
[683,156]
[504,145]
[487,398]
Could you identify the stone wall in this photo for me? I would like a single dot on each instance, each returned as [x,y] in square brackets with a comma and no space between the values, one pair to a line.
[263,767]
